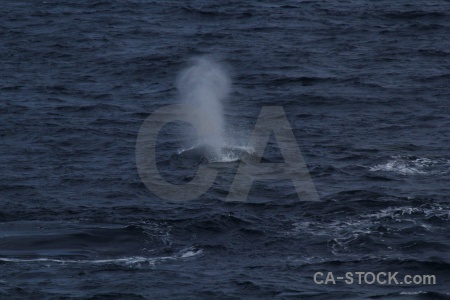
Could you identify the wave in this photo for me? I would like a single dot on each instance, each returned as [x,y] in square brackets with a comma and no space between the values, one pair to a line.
[377,229]
[132,260]
[415,14]
[410,165]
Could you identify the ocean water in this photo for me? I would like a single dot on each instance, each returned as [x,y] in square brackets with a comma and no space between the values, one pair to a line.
[364,84]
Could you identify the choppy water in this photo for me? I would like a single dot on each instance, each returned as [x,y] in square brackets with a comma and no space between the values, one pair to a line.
[365,85]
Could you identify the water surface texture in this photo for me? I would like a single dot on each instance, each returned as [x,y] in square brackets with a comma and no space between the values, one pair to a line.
[365,86]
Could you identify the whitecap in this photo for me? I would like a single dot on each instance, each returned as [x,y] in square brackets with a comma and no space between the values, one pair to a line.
[405,165]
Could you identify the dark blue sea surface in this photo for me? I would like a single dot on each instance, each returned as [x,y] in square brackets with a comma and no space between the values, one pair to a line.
[365,86]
